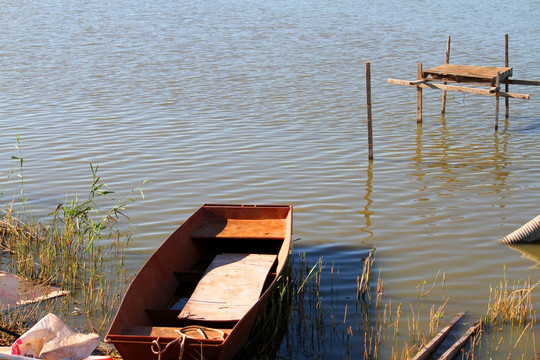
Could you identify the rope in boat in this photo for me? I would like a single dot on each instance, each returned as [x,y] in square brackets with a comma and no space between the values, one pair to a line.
[156,347]
[200,330]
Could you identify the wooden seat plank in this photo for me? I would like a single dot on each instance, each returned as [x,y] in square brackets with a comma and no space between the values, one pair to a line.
[160,331]
[229,288]
[241,228]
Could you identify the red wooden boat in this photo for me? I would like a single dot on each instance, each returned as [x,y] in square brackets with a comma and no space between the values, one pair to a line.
[199,295]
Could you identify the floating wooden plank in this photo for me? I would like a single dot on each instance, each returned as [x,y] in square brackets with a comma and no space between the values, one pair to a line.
[428,350]
[16,291]
[454,349]
[464,89]
[230,287]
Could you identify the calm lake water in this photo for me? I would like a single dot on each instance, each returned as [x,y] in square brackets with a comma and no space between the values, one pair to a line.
[264,102]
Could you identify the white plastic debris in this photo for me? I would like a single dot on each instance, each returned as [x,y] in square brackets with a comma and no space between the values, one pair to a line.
[51,339]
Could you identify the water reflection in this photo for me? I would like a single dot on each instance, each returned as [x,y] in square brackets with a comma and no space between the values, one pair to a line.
[367,197]
[500,156]
[444,153]
[528,251]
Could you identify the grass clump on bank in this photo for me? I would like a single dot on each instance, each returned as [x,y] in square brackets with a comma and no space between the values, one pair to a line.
[77,248]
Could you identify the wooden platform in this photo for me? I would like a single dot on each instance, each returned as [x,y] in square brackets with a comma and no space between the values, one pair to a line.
[229,288]
[468,73]
[486,76]
[493,81]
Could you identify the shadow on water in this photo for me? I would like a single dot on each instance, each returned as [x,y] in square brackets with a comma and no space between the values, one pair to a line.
[531,125]
[306,316]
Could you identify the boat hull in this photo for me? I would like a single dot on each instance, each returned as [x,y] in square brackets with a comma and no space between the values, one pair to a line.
[150,316]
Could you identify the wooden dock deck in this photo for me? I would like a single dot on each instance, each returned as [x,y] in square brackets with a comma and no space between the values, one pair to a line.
[467,73]
[481,80]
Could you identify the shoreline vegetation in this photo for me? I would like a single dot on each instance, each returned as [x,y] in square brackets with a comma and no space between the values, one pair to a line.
[77,247]
[80,249]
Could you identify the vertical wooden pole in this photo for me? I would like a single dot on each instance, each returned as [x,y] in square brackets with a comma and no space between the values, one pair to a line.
[419,76]
[497,85]
[368,97]
[447,61]
[506,99]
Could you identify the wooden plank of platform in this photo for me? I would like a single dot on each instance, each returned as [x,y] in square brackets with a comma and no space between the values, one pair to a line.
[429,85]
[229,288]
[468,73]
[524,82]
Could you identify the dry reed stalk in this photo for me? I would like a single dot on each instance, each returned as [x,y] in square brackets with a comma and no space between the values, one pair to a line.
[432,324]
[396,323]
[536,352]
[380,288]
[443,283]
[363,286]
[384,314]
[512,306]
[522,333]
[367,350]
[435,317]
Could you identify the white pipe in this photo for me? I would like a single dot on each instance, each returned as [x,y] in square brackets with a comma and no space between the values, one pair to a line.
[527,234]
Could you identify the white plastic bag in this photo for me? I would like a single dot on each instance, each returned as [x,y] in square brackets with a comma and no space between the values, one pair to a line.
[51,339]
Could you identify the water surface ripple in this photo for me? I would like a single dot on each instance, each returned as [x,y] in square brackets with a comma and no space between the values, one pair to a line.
[264,102]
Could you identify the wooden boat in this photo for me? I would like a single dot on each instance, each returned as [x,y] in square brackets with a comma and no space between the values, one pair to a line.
[199,295]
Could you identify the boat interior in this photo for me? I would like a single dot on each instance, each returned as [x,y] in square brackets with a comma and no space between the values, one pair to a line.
[222,244]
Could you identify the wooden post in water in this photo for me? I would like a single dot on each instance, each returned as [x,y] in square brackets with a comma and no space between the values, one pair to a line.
[506,99]
[447,61]
[419,76]
[369,122]
[497,88]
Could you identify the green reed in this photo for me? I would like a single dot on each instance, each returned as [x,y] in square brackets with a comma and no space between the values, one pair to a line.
[78,248]
[390,330]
